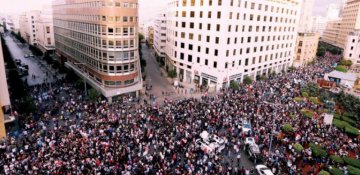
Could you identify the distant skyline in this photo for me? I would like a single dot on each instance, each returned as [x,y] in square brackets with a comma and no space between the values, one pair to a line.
[148,8]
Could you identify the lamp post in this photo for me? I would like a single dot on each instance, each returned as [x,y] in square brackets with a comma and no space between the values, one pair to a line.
[273,123]
[83,65]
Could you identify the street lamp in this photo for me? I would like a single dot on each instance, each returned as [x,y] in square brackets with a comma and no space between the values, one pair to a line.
[83,65]
[272,127]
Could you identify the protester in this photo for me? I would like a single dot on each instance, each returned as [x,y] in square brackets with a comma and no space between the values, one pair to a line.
[75,136]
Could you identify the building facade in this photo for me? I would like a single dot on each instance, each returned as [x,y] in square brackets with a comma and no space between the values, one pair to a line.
[333,11]
[318,25]
[99,41]
[305,23]
[332,32]
[352,49]
[215,42]
[337,31]
[150,39]
[28,24]
[4,94]
[45,30]
[160,35]
[306,48]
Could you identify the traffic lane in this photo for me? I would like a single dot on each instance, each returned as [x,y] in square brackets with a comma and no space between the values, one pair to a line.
[153,72]
[18,52]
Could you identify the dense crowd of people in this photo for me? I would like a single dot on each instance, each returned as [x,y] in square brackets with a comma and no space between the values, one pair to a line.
[76,136]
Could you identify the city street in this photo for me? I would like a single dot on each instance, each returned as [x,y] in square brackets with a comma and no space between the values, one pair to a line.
[37,67]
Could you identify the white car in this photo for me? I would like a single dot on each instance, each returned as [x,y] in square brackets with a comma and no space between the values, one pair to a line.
[246,126]
[263,170]
[208,149]
[249,140]
[26,56]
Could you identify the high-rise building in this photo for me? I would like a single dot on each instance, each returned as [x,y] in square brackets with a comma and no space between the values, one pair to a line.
[352,49]
[306,16]
[318,25]
[212,43]
[306,42]
[99,40]
[333,11]
[337,31]
[28,22]
[4,94]
[45,30]
[160,35]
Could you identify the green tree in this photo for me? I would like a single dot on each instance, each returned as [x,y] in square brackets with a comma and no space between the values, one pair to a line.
[247,80]
[320,52]
[346,63]
[341,68]
[172,73]
[234,85]
[141,37]
[94,95]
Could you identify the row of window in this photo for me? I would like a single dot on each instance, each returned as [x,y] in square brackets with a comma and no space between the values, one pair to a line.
[246,16]
[255,60]
[96,29]
[97,18]
[128,43]
[119,83]
[101,67]
[96,53]
[236,27]
[252,5]
[95,4]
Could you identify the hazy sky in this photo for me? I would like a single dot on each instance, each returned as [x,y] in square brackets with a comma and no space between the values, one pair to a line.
[148,8]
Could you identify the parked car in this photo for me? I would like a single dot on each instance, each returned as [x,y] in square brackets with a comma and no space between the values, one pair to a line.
[254,152]
[18,62]
[263,170]
[249,140]
[246,126]
[26,56]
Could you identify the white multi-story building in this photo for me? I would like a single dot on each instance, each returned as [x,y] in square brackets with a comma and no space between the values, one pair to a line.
[352,49]
[28,24]
[214,42]
[333,11]
[160,34]
[318,24]
[45,30]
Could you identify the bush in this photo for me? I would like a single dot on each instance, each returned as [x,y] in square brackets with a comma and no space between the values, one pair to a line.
[287,128]
[352,162]
[298,148]
[346,63]
[315,100]
[247,80]
[335,171]
[318,151]
[353,171]
[298,99]
[305,94]
[172,73]
[307,113]
[234,85]
[349,129]
[341,69]
[323,173]
[349,120]
[337,159]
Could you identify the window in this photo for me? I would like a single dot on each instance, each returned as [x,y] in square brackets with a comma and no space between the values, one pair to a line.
[209,14]
[206,62]
[215,64]
[216,52]
[198,60]
[183,14]
[219,2]
[190,58]
[192,14]
[47,29]
[218,15]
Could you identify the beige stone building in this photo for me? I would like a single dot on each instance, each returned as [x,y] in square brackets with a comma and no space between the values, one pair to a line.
[99,41]
[28,23]
[151,36]
[45,30]
[331,34]
[337,31]
[306,47]
[306,40]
